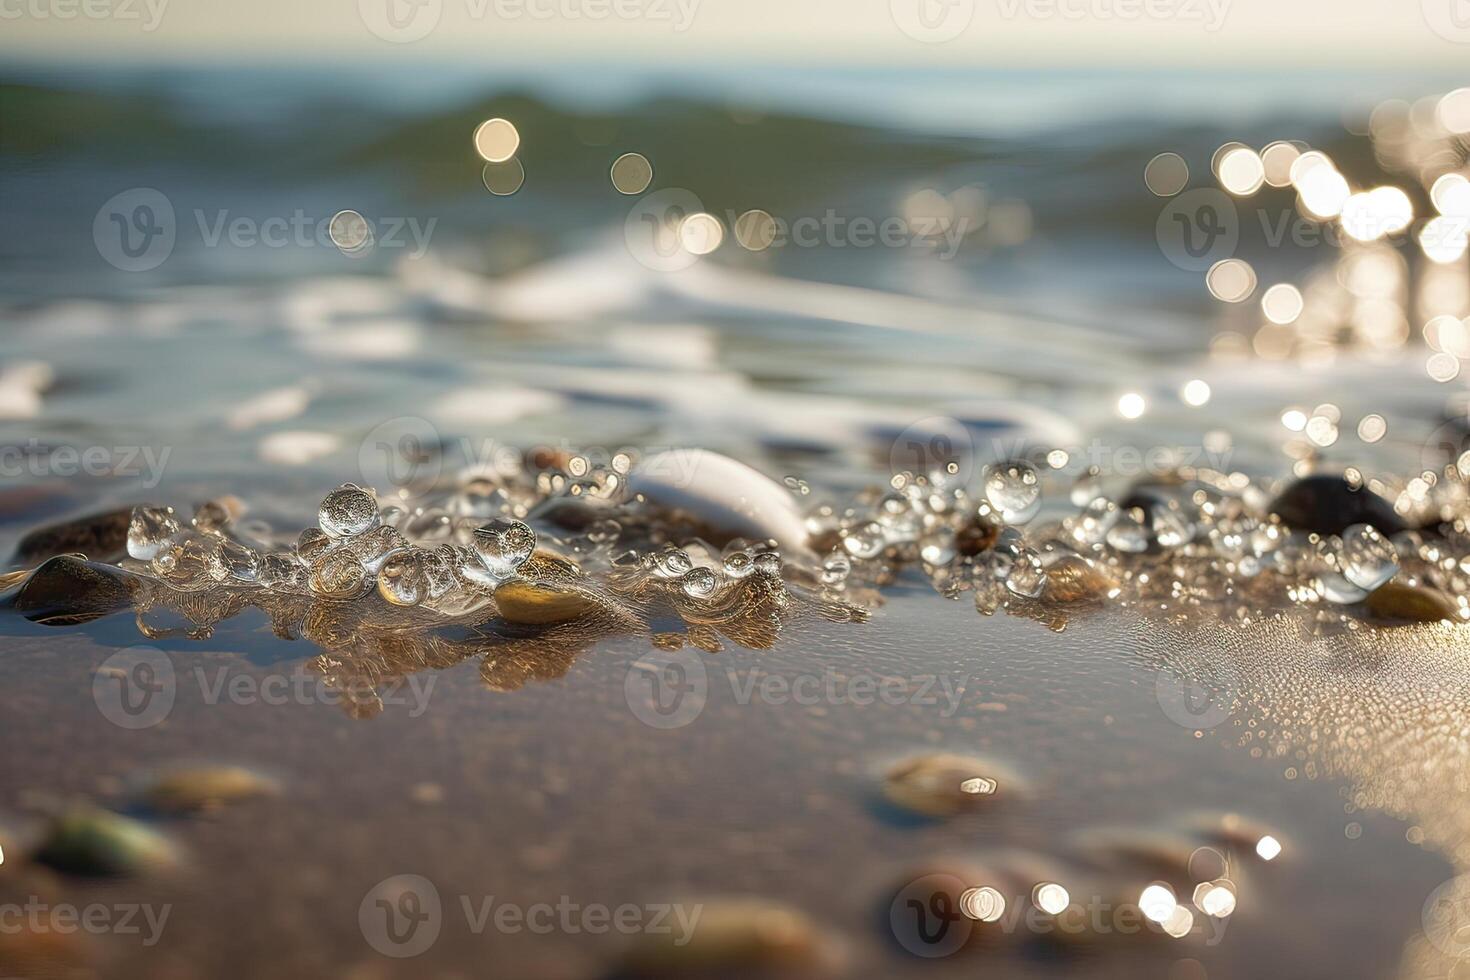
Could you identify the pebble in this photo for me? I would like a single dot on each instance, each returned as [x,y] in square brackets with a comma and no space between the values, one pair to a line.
[101,537]
[1330,505]
[943,784]
[1073,578]
[730,499]
[210,788]
[90,841]
[744,937]
[68,591]
[1397,602]
[541,604]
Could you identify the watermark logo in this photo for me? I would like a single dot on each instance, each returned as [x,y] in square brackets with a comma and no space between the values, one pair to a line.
[1446,446]
[653,230]
[667,688]
[1198,228]
[400,21]
[401,452]
[932,21]
[1199,697]
[134,230]
[1446,918]
[932,444]
[401,916]
[1450,19]
[926,918]
[135,688]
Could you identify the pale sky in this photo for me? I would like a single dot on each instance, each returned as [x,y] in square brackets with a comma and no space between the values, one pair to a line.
[1209,35]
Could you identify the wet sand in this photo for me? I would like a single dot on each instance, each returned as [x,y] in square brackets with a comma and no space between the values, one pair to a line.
[558,791]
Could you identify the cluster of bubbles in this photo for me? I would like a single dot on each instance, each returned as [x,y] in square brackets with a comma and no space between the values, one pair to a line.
[1194,539]
[356,546]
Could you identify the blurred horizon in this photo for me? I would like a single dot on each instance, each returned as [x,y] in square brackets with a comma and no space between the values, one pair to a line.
[1210,34]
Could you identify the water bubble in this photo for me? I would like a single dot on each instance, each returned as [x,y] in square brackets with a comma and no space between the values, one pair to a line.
[836,568]
[438,568]
[1087,488]
[1128,534]
[279,571]
[189,560]
[1027,576]
[1171,528]
[797,486]
[339,575]
[864,541]
[699,583]
[149,529]
[401,578]
[312,544]
[738,563]
[373,547]
[348,510]
[674,563]
[1095,521]
[938,547]
[768,563]
[1014,490]
[504,546]
[210,516]
[238,562]
[1368,558]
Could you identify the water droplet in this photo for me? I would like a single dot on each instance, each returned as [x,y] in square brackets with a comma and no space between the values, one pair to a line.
[938,547]
[1095,521]
[699,583]
[401,578]
[1368,559]
[372,547]
[504,546]
[738,564]
[1027,576]
[864,541]
[312,544]
[1171,528]
[281,572]
[339,575]
[189,560]
[1128,534]
[149,529]
[238,562]
[211,516]
[1087,488]
[347,511]
[1014,490]
[674,563]
[836,568]
[768,563]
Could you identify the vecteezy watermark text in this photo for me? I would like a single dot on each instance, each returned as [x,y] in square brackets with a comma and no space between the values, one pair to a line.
[36,915]
[137,687]
[35,459]
[406,21]
[669,688]
[148,12]
[403,916]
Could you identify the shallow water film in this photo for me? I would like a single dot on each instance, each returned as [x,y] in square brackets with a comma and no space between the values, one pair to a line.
[563,519]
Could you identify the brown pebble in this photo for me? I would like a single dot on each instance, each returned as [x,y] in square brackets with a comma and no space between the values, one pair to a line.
[1397,602]
[194,790]
[747,937]
[1073,578]
[540,604]
[943,784]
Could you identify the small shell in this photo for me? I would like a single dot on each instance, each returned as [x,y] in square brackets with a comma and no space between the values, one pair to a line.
[191,790]
[89,841]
